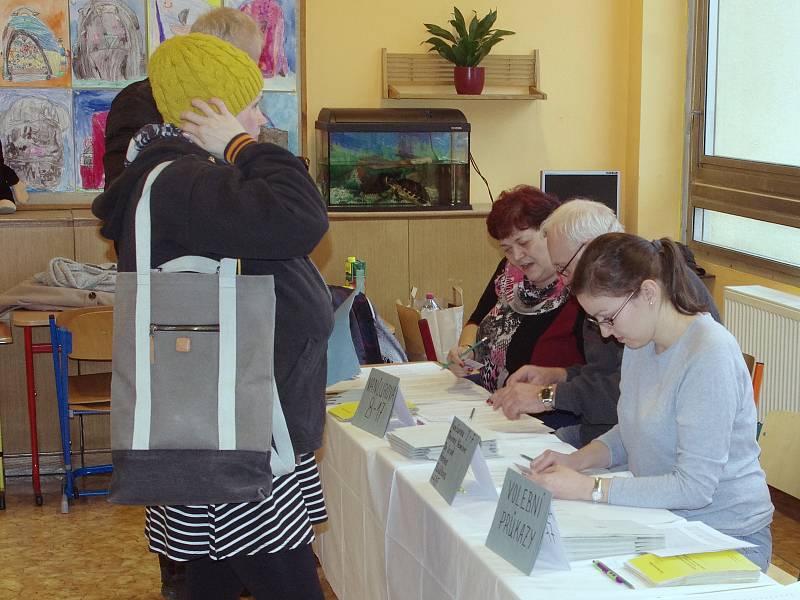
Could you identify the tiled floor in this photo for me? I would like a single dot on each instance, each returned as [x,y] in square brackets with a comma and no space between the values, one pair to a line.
[97,551]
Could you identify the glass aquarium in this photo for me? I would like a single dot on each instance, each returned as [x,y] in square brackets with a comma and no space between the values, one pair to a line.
[393,159]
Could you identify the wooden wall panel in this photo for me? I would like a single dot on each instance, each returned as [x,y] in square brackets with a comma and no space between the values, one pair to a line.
[447,252]
[90,246]
[383,244]
[27,243]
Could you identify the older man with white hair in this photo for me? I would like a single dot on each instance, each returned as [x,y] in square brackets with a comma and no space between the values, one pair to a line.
[589,390]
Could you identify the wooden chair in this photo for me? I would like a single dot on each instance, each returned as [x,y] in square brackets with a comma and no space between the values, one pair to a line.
[750,361]
[81,334]
[757,375]
[6,337]
[780,451]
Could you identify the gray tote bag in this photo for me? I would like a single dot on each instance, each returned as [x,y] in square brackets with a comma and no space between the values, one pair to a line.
[195,415]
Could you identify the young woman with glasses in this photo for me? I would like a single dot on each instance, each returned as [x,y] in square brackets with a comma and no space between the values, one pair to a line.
[591,390]
[687,420]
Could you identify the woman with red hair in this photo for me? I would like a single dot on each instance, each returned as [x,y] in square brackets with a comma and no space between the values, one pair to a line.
[525,312]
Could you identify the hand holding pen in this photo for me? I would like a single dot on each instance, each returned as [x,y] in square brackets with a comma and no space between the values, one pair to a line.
[455,358]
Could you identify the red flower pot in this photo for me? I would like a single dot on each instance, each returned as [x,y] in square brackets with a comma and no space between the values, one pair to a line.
[468,80]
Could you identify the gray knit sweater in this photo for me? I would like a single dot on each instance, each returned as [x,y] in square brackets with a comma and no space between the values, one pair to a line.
[687,427]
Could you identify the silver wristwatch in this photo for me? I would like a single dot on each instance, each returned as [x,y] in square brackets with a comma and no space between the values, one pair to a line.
[547,396]
[597,490]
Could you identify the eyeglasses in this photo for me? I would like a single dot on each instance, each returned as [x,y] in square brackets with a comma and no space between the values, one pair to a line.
[609,322]
[562,271]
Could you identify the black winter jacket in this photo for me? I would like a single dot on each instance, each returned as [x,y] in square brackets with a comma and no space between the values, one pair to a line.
[133,108]
[267,211]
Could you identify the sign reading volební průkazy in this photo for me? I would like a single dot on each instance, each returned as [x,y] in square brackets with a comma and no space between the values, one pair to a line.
[519,521]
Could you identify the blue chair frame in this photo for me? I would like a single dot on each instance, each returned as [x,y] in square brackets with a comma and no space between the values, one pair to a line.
[61,340]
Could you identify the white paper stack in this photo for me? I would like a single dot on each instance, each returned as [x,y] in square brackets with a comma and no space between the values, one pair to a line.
[425,442]
[594,539]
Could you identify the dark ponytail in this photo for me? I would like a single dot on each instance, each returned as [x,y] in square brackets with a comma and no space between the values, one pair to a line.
[616,264]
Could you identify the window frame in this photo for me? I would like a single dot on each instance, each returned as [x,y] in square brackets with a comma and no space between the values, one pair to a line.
[762,191]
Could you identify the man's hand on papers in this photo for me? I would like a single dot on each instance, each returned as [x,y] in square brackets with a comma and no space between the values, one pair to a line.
[517,399]
[538,375]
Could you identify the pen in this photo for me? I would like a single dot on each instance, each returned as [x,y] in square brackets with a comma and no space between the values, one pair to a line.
[472,414]
[612,575]
[469,349]
[526,457]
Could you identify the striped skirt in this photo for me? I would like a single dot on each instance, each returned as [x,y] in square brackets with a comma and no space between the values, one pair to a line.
[281,522]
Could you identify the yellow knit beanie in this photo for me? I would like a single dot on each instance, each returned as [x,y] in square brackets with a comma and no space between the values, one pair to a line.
[202,66]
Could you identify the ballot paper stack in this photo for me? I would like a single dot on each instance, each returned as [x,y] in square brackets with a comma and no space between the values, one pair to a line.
[425,442]
[594,539]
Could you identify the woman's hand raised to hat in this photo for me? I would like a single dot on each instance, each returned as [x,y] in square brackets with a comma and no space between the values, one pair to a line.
[210,129]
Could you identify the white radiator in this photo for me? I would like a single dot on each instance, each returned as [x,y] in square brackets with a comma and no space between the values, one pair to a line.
[766,323]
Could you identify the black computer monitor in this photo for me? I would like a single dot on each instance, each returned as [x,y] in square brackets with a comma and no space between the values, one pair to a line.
[601,186]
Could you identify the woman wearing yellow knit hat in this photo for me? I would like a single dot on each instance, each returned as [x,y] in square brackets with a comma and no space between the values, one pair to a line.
[224,195]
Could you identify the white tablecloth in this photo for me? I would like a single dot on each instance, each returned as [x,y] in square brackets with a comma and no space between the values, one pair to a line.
[392,537]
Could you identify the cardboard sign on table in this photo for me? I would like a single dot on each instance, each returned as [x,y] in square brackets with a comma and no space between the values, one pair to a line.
[524,528]
[381,399]
[461,451]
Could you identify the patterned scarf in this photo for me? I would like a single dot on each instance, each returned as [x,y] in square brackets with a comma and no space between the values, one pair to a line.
[149,134]
[517,297]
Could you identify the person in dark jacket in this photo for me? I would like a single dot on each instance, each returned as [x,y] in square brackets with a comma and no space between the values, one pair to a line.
[225,195]
[134,107]
[591,390]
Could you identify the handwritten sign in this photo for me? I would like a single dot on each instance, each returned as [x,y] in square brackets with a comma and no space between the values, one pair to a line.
[519,521]
[378,404]
[460,451]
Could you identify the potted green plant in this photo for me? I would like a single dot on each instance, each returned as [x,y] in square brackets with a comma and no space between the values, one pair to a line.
[466,46]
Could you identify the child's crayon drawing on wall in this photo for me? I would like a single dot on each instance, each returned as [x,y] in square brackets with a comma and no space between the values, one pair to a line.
[108,42]
[63,61]
[168,18]
[281,110]
[90,111]
[36,130]
[35,43]
[277,20]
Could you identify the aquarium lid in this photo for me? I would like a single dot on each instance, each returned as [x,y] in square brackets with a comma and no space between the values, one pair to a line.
[391,119]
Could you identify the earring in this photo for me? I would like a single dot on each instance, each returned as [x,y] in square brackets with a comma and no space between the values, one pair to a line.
[651,303]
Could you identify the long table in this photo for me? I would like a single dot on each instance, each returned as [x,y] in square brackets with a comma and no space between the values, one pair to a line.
[392,537]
